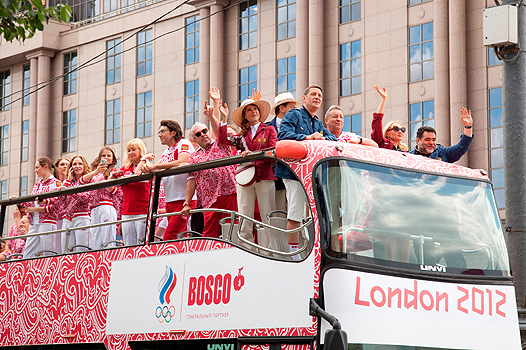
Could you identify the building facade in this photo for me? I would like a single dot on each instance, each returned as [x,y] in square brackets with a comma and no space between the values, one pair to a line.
[111,75]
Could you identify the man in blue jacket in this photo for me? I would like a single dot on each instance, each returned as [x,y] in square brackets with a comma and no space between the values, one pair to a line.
[427,146]
[300,124]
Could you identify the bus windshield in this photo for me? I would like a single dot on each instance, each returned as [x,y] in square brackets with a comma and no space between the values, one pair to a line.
[401,218]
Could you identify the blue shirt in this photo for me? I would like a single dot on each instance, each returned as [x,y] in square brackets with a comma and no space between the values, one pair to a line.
[449,154]
[296,125]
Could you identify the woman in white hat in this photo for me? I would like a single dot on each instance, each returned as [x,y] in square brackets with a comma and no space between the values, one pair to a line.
[250,116]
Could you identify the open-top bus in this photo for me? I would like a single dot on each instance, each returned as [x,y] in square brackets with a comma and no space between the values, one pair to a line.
[400,251]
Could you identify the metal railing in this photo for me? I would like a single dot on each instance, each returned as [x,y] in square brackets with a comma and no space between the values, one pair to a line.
[152,215]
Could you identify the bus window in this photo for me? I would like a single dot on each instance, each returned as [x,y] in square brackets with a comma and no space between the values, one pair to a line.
[409,219]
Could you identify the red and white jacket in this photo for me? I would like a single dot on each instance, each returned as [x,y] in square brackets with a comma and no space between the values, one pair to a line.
[102,196]
[77,204]
[50,216]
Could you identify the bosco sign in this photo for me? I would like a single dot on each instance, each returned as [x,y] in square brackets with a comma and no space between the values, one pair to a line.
[213,289]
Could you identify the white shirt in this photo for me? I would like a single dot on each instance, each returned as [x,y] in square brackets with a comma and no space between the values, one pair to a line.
[175,186]
[254,129]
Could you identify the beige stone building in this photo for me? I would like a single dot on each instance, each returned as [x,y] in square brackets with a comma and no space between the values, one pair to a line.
[111,75]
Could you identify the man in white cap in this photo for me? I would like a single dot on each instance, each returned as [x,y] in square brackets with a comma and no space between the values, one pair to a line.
[283,103]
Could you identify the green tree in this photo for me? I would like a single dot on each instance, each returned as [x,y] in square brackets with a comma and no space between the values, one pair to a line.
[20,19]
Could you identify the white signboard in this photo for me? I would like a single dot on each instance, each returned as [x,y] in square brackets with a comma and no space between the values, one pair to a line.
[208,290]
[377,309]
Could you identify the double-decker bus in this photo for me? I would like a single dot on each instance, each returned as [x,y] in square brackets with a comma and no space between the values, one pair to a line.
[397,252]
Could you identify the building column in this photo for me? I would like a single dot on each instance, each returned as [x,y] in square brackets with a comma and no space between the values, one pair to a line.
[441,48]
[33,100]
[42,135]
[457,70]
[302,47]
[217,47]
[315,41]
[204,59]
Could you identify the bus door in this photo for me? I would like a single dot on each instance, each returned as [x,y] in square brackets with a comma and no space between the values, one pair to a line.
[275,343]
[245,343]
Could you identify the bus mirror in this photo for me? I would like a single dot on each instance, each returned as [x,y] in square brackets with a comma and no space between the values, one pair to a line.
[335,339]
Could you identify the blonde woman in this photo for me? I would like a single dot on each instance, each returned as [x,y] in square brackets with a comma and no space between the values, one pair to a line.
[76,206]
[392,134]
[136,195]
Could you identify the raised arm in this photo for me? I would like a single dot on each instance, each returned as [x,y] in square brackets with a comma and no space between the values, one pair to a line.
[465,116]
[214,123]
[215,95]
[383,93]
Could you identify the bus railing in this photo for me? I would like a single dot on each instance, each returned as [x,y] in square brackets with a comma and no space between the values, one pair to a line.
[152,215]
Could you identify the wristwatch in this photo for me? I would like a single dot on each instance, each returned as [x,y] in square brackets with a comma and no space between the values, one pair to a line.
[185,203]
[468,127]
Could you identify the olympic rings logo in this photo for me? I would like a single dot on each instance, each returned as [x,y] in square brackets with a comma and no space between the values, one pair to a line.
[165,313]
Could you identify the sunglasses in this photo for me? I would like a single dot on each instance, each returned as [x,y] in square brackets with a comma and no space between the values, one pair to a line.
[202,132]
[397,129]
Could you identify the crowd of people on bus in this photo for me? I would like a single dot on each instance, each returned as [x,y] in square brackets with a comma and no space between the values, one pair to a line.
[272,185]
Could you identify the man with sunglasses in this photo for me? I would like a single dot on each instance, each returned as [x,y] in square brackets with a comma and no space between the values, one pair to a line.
[334,122]
[216,186]
[427,146]
[178,152]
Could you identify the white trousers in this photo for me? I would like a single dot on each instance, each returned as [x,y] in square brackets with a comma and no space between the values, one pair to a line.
[133,230]
[38,243]
[246,199]
[77,236]
[99,235]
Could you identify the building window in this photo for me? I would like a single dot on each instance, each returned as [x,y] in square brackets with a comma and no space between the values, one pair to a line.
[23,186]
[110,5]
[192,40]
[5,90]
[24,147]
[144,52]
[125,4]
[353,123]
[3,190]
[191,104]
[70,73]
[248,24]
[421,52]
[69,131]
[81,9]
[351,68]
[4,144]
[286,78]
[286,19]
[143,117]
[247,82]
[421,114]
[496,145]
[113,61]
[414,2]
[493,60]
[26,85]
[350,10]
[113,117]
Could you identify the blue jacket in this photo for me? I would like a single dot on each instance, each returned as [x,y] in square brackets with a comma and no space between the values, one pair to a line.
[449,154]
[296,125]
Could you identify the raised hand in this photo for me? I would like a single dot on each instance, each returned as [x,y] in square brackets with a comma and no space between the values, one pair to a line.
[382,91]
[465,116]
[256,95]
[214,93]
[224,112]
[208,110]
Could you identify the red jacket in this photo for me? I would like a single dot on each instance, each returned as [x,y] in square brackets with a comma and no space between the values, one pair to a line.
[266,137]
[377,135]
